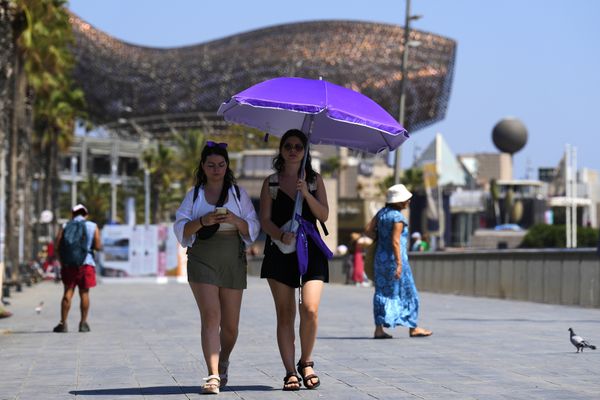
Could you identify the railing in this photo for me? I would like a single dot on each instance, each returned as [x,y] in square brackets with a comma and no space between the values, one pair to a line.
[555,276]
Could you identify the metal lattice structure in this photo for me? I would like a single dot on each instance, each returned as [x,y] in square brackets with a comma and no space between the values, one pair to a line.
[176,88]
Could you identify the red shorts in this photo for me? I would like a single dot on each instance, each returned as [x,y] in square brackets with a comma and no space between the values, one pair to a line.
[84,276]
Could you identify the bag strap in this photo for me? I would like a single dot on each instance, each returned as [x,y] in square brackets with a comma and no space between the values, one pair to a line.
[274,188]
[222,196]
[197,190]
[273,185]
[376,218]
[237,193]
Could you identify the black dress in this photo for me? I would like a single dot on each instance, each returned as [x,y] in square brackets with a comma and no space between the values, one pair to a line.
[284,267]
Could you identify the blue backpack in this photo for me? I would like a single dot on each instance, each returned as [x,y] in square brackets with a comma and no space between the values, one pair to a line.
[73,247]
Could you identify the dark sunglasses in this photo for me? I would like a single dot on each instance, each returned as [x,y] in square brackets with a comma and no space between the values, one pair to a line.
[210,143]
[298,147]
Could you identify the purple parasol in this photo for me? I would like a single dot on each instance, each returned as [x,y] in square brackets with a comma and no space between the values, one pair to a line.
[327,114]
[341,116]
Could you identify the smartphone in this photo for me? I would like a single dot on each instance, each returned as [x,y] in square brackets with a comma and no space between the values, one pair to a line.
[221,210]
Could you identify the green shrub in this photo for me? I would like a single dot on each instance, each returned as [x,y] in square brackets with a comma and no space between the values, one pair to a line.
[547,236]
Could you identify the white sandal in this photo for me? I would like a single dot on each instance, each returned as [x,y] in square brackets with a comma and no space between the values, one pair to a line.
[211,387]
[224,376]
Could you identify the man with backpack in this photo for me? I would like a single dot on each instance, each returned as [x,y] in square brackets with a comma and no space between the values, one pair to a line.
[76,243]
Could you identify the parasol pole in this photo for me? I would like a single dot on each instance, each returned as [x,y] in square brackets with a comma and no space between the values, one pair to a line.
[309,121]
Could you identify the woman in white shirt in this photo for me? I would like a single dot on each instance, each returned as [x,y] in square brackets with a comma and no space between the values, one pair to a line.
[215,221]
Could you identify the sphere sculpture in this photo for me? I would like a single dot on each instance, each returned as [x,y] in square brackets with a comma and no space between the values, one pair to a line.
[509,135]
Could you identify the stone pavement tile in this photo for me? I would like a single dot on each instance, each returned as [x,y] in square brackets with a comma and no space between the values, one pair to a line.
[149,336]
[541,394]
[106,382]
[9,390]
[109,397]
[41,390]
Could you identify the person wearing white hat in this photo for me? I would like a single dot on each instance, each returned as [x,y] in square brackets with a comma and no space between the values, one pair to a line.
[416,246]
[78,264]
[396,300]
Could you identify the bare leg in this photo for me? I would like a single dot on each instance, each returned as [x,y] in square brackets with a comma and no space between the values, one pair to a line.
[231,302]
[84,304]
[309,321]
[207,299]
[65,304]
[285,307]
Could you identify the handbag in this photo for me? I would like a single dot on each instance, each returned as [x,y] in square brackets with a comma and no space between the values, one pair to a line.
[369,263]
[369,260]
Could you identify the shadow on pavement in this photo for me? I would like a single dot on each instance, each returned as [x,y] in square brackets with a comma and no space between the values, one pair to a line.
[157,390]
[345,337]
[248,388]
[519,320]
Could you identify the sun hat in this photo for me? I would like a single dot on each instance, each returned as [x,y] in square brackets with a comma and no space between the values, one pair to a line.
[397,194]
[416,235]
[79,207]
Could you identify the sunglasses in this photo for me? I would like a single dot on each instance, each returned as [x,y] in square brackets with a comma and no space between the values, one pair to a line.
[210,143]
[298,147]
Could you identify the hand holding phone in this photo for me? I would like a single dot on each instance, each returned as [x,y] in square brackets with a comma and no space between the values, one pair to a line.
[220,210]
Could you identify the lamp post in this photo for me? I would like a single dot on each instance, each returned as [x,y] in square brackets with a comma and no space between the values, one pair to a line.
[2,211]
[407,44]
[571,195]
[113,179]
[146,196]
[73,181]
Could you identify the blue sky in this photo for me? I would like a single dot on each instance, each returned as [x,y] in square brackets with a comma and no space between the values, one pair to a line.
[537,60]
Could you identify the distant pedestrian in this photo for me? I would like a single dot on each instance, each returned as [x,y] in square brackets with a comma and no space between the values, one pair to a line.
[420,242]
[416,246]
[424,242]
[396,300]
[76,243]
[358,272]
[215,221]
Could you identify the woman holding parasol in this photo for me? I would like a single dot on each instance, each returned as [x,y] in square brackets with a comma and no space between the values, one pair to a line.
[280,269]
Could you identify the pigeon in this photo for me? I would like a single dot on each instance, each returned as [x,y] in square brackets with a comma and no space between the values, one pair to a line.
[579,342]
[38,309]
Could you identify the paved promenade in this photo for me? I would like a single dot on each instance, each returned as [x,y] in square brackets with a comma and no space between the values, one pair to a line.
[145,344]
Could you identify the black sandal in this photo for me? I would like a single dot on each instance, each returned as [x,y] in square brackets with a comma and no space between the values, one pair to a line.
[287,382]
[306,379]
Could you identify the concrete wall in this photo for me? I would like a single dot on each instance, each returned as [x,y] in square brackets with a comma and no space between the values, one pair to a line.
[570,277]
[544,276]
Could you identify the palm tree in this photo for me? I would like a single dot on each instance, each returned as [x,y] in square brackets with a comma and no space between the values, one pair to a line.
[189,148]
[95,197]
[412,178]
[44,44]
[163,199]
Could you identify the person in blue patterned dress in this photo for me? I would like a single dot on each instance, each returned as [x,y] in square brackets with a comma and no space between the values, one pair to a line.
[396,300]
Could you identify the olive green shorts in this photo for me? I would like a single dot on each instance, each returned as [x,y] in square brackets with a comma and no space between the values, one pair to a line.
[219,260]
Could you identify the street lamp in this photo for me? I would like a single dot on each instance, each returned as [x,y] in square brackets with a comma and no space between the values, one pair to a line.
[146,196]
[113,179]
[2,212]
[73,181]
[407,43]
